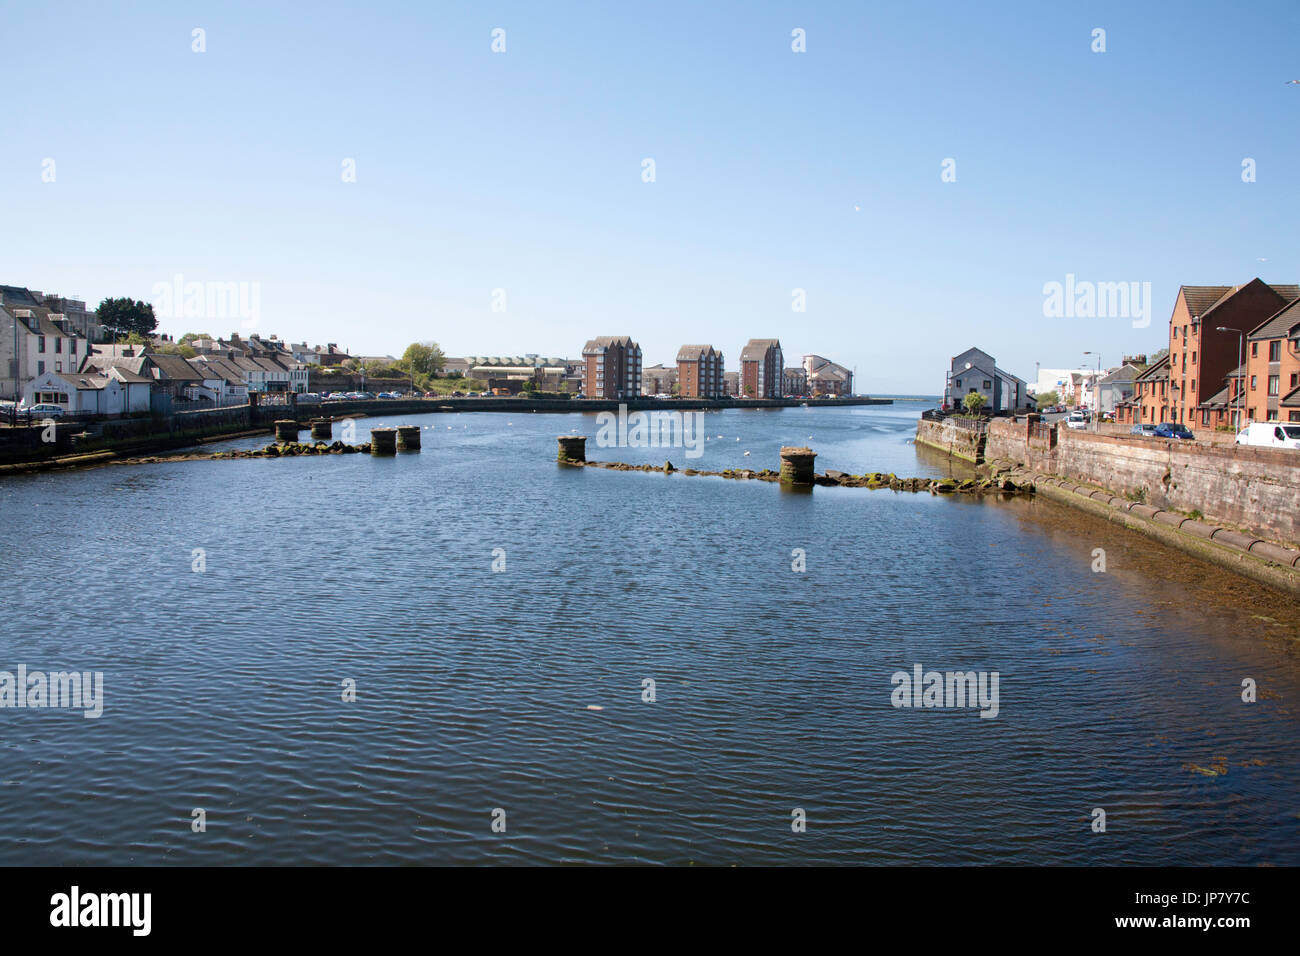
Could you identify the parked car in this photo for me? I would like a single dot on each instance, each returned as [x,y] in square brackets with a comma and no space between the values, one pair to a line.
[1270,435]
[42,411]
[1077,419]
[308,398]
[1145,428]
[1173,430]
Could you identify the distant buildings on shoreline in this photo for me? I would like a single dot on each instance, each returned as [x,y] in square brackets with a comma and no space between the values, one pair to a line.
[53,350]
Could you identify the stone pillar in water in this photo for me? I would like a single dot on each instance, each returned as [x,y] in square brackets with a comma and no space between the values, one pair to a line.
[408,437]
[322,428]
[383,441]
[797,466]
[286,429]
[572,448]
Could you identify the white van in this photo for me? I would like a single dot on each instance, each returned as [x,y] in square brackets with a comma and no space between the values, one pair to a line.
[1270,435]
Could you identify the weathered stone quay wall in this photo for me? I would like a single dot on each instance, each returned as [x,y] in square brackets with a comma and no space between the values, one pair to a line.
[954,438]
[1256,489]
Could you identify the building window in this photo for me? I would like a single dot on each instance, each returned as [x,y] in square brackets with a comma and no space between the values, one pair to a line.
[1254,350]
[40,343]
[72,347]
[1272,415]
[1193,358]
[1275,351]
[58,346]
[1252,382]
[1272,384]
[40,368]
[988,384]
[1293,379]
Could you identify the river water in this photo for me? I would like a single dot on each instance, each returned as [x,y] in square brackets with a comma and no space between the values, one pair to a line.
[223,687]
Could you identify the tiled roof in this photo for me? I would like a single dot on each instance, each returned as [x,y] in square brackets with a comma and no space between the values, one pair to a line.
[1280,323]
[1152,372]
[220,368]
[133,370]
[174,367]
[756,349]
[18,296]
[1219,399]
[602,342]
[1125,373]
[1201,298]
[693,353]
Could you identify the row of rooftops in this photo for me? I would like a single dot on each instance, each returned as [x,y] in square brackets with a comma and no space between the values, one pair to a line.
[1203,300]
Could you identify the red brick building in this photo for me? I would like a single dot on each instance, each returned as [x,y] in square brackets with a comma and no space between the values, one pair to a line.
[1190,380]
[611,367]
[699,372]
[761,365]
[1273,367]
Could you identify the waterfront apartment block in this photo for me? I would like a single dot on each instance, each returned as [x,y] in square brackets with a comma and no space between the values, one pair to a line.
[761,365]
[826,377]
[976,371]
[1195,383]
[658,380]
[699,372]
[794,381]
[612,367]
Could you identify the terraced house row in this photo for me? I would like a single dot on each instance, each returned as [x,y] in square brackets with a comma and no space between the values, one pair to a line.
[1233,358]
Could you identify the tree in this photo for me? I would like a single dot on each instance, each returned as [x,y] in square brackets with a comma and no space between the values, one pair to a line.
[1048,398]
[973,402]
[423,358]
[121,317]
[189,337]
[173,349]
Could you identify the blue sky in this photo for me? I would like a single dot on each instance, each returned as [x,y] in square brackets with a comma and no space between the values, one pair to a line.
[774,170]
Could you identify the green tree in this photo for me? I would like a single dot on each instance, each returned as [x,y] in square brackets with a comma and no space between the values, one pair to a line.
[973,402]
[422,358]
[121,317]
[189,337]
[1048,398]
[173,349]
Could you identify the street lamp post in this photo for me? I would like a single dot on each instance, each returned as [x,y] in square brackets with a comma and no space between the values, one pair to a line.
[1095,396]
[1241,360]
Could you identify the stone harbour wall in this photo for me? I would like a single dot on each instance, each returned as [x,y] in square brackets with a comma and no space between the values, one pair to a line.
[947,436]
[1257,489]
